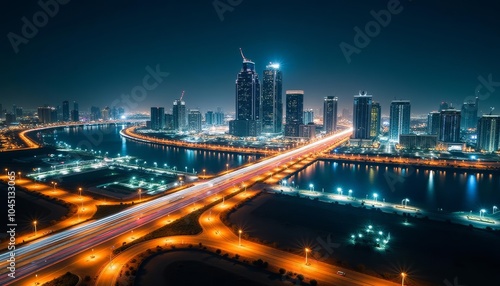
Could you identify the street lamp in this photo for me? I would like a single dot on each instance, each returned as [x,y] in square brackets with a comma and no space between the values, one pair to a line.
[140,191]
[350,193]
[34,223]
[494,209]
[227,167]
[19,175]
[403,275]
[481,212]
[80,190]
[307,251]
[186,168]
[405,202]
[311,187]
[205,173]
[340,191]
[239,237]
[375,196]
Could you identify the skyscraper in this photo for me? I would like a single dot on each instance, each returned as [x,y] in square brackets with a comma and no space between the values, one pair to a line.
[308,116]
[75,114]
[488,133]
[375,119]
[469,115]
[449,126]
[272,105]
[433,123]
[248,107]
[194,120]
[361,116]
[399,121]
[209,118]
[330,114]
[47,114]
[294,112]
[179,115]
[157,118]
[65,111]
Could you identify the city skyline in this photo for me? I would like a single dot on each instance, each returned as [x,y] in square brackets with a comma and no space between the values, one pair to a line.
[110,64]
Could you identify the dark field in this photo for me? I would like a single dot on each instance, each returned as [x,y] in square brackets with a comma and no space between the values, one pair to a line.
[429,251]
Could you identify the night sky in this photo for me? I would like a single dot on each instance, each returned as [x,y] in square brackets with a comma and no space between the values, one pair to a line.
[95,51]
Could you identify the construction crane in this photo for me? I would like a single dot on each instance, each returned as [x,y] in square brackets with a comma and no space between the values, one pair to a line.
[243,56]
[182,95]
[491,110]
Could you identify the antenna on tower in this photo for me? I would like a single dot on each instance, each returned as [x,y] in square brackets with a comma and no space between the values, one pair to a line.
[182,95]
[491,110]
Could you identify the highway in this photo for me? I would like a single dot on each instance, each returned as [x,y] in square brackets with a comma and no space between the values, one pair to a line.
[47,251]
[218,236]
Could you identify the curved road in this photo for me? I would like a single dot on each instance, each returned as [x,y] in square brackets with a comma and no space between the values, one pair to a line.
[49,250]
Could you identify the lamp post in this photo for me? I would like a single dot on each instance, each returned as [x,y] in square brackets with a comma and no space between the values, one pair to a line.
[204,173]
[307,251]
[81,200]
[375,196]
[19,175]
[239,237]
[350,193]
[403,275]
[34,223]
[311,187]
[481,213]
[340,191]
[405,202]
[494,209]
[140,195]
[227,167]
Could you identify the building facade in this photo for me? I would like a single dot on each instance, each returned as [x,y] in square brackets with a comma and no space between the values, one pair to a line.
[375,120]
[330,104]
[272,94]
[488,133]
[248,102]
[294,112]
[179,115]
[361,116]
[449,126]
[399,121]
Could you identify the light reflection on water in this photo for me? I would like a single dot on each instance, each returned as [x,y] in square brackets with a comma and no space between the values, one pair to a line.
[431,189]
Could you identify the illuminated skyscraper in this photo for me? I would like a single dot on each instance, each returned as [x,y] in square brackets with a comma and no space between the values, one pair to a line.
[433,123]
[294,112]
[375,118]
[157,118]
[308,116]
[361,116]
[469,115]
[449,126]
[330,114]
[488,133]
[179,115]
[248,107]
[272,105]
[399,119]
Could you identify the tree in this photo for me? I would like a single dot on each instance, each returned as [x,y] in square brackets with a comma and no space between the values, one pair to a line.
[313,282]
[282,271]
